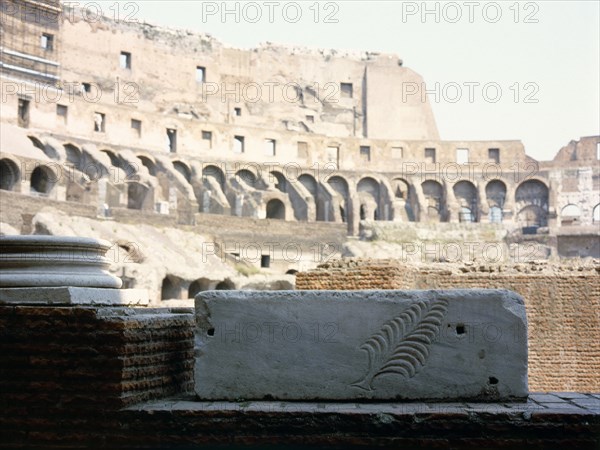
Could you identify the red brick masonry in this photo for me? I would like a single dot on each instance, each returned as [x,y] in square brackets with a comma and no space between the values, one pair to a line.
[121,377]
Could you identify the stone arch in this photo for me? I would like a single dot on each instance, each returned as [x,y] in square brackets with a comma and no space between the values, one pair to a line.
[369,190]
[531,198]
[596,214]
[465,193]
[9,174]
[199,285]
[247,177]
[214,172]
[43,179]
[74,155]
[403,198]
[434,200]
[570,215]
[309,182]
[312,186]
[571,210]
[183,169]
[114,159]
[136,195]
[275,209]
[495,194]
[280,181]
[37,143]
[342,188]
[225,285]
[148,163]
[170,288]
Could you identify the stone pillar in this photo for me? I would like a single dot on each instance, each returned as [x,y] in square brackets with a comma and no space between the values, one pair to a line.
[69,346]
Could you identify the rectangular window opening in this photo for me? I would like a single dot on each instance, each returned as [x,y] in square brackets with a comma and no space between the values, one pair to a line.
[86,87]
[207,138]
[136,126]
[430,155]
[23,112]
[237,111]
[62,112]
[333,154]
[99,122]
[200,74]
[125,60]
[265,261]
[462,155]
[238,144]
[47,42]
[310,118]
[270,147]
[172,140]
[365,153]
[346,90]
[494,155]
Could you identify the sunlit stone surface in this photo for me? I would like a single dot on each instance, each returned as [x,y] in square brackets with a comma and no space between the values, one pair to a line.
[49,261]
[349,345]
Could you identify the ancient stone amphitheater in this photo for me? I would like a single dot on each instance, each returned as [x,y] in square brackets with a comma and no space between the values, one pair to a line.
[211,167]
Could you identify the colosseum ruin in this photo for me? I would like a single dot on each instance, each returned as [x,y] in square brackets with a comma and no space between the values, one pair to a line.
[224,168]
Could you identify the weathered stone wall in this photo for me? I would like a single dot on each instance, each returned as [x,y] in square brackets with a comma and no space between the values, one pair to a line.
[54,358]
[562,302]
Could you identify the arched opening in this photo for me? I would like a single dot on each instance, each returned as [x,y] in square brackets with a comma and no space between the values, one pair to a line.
[570,215]
[400,188]
[465,193]
[170,288]
[114,159]
[531,217]
[531,199]
[291,272]
[369,195]
[225,285]
[148,164]
[184,170]
[73,155]
[434,196]
[495,194]
[311,185]
[136,195]
[43,180]
[596,214]
[197,286]
[214,173]
[280,181]
[340,186]
[9,174]
[49,151]
[275,209]
[246,177]
[404,199]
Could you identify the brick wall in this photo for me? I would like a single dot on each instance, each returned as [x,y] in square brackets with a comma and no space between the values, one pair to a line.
[562,303]
[80,358]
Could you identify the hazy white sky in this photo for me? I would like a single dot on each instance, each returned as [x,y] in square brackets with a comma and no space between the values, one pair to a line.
[544,56]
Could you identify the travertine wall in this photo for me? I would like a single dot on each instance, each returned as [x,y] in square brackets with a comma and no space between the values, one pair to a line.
[562,302]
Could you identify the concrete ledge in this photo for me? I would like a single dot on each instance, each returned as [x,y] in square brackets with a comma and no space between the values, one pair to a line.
[79,296]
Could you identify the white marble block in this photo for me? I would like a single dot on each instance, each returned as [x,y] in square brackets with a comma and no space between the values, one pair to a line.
[361,345]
